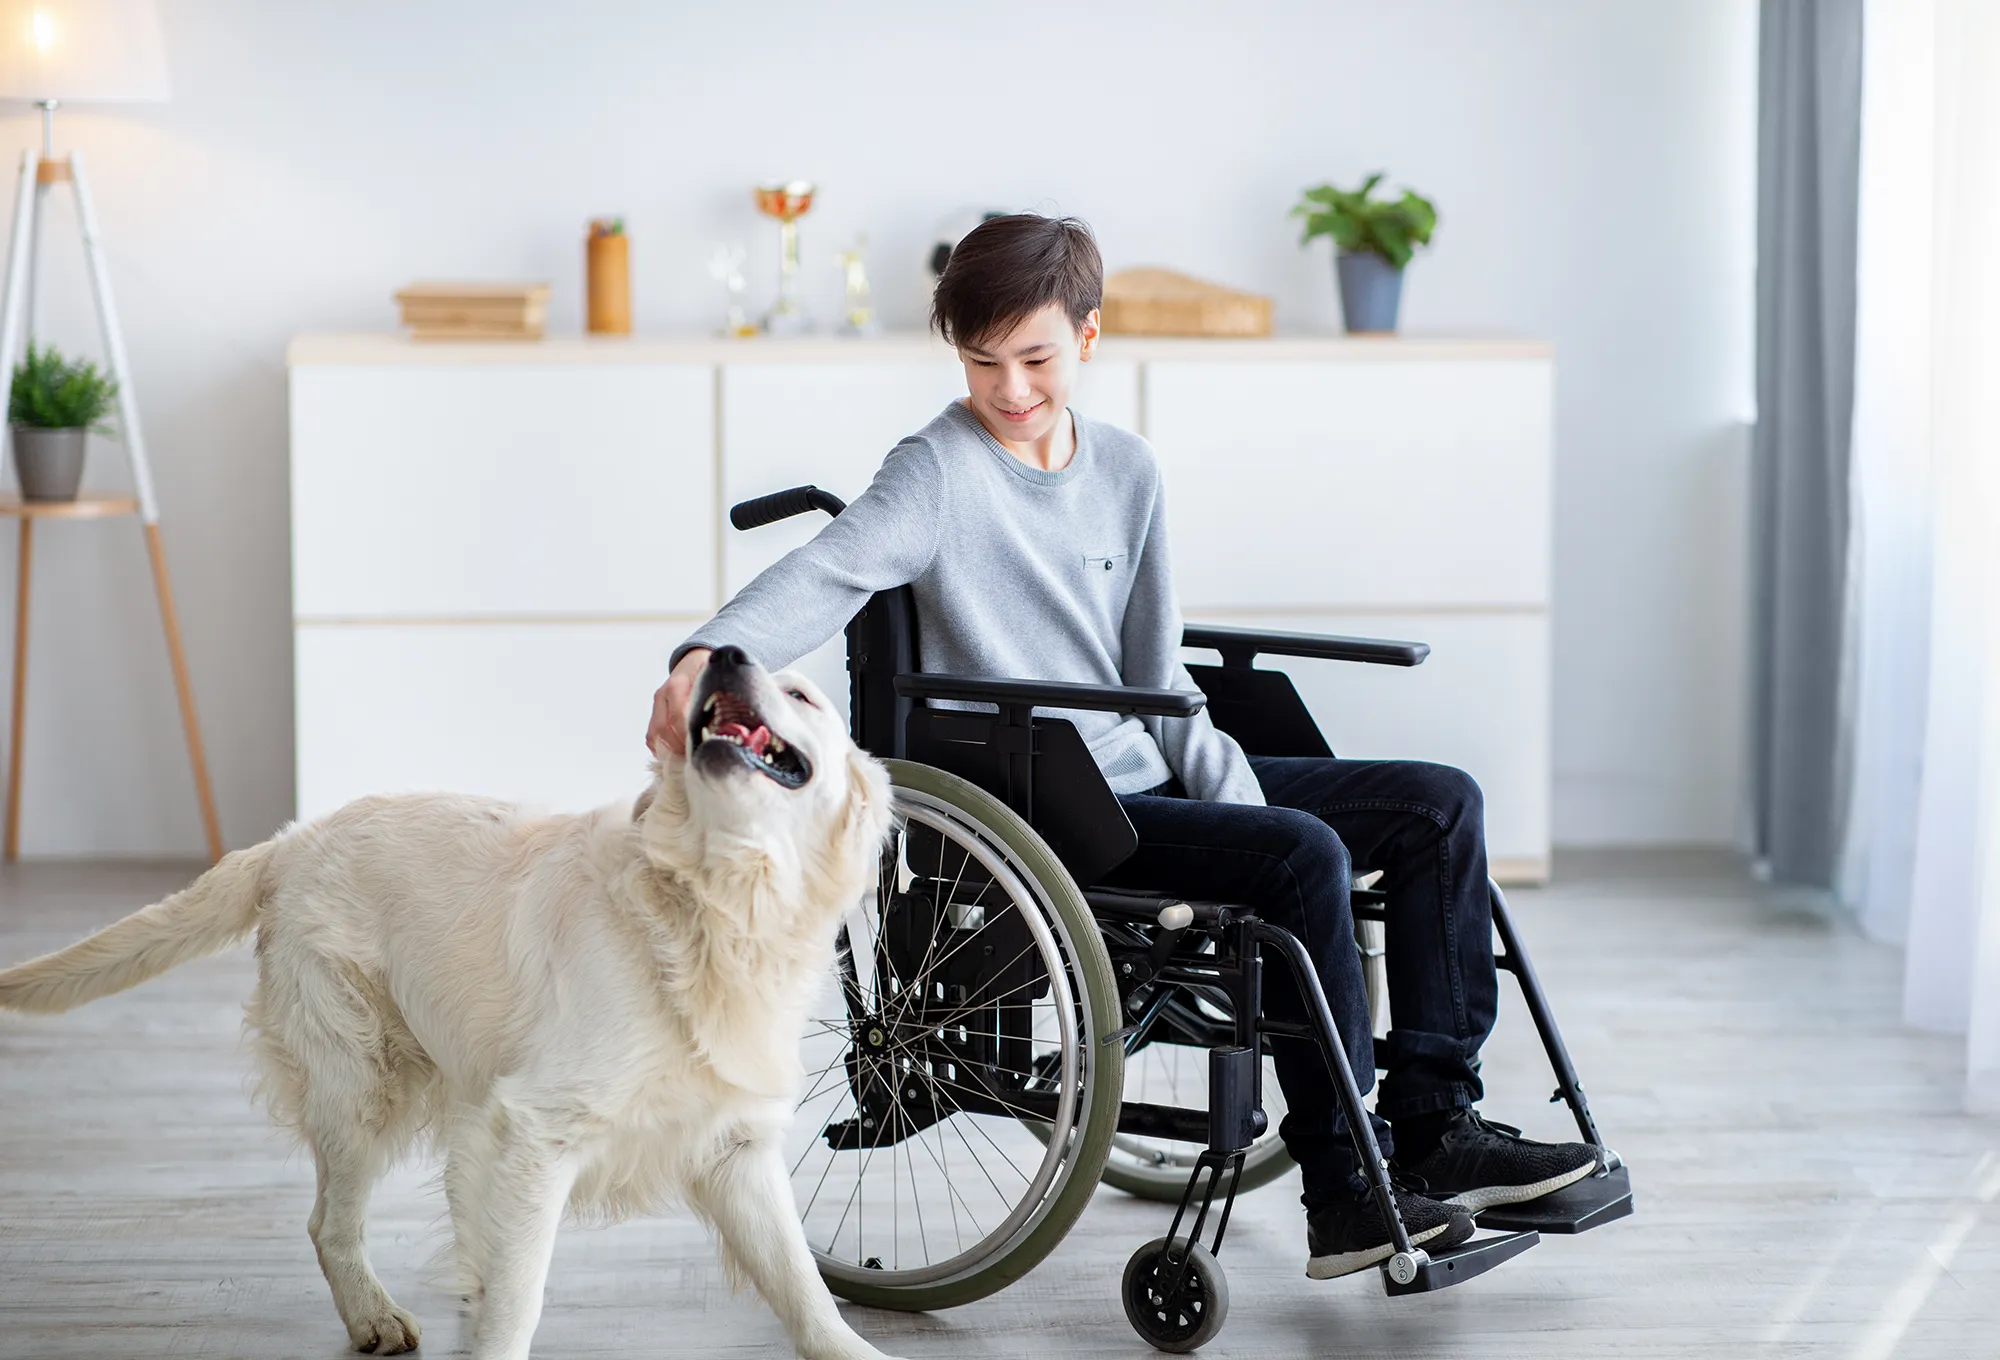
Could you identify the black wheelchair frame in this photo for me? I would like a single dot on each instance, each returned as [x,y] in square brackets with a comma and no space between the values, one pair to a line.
[1158,942]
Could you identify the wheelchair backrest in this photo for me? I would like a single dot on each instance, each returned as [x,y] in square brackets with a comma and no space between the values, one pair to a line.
[881,644]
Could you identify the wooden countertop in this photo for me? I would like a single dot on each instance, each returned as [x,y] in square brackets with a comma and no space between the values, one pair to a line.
[394,347]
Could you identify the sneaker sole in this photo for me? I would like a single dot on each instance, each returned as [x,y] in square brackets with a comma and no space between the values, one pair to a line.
[1492,1196]
[1347,1262]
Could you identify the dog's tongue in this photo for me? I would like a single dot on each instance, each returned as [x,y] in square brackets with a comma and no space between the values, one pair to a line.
[756,739]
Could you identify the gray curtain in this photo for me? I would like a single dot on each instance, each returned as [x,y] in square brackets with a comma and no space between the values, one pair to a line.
[1808,173]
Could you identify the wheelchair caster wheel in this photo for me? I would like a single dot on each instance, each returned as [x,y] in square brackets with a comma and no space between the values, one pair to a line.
[1175,1298]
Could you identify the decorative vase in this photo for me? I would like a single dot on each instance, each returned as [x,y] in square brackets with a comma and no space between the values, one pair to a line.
[50,462]
[1370,290]
[607,279]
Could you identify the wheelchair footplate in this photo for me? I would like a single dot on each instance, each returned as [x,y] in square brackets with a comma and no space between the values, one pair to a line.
[1419,1272]
[1595,1200]
[1578,1207]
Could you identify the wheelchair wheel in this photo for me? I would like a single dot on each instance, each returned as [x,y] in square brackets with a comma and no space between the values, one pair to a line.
[1168,1065]
[968,1005]
[1176,1297]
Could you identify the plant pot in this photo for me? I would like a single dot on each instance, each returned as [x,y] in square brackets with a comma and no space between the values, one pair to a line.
[50,462]
[1370,290]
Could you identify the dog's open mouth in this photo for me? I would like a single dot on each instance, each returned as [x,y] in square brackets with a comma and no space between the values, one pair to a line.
[730,724]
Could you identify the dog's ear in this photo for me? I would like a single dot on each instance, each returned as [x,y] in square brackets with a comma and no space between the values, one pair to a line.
[644,800]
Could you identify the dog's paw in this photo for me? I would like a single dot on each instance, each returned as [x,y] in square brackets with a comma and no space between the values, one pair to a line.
[390,1332]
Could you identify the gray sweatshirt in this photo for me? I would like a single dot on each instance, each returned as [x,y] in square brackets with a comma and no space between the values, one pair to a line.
[1018,573]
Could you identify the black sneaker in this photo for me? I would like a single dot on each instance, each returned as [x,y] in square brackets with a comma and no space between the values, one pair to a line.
[1478,1164]
[1344,1238]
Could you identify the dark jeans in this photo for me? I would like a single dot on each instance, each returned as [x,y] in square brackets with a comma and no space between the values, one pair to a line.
[1293,862]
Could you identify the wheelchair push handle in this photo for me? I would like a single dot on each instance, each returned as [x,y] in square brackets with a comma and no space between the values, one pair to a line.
[797,500]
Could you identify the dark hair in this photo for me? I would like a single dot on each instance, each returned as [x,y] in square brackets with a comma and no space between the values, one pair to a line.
[1008,268]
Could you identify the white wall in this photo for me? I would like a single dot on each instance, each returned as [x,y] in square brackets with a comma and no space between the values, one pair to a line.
[1592,161]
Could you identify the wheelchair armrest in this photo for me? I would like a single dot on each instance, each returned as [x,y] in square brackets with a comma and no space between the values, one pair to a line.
[1165,703]
[1240,645]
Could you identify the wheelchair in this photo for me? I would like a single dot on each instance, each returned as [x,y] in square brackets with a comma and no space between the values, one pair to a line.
[999,1034]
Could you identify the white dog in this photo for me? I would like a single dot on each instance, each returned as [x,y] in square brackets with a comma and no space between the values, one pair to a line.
[598,1012]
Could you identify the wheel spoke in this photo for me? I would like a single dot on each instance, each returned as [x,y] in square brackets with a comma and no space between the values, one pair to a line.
[937,909]
[1025,951]
[839,1060]
[944,1169]
[939,1058]
[984,1003]
[980,1129]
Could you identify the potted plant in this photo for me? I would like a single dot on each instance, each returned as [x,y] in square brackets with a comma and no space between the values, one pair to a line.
[54,404]
[1373,240]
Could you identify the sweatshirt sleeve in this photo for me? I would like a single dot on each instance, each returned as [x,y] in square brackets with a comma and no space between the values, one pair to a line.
[1211,766]
[885,538]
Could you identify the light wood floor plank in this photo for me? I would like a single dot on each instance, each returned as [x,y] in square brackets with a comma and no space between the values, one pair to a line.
[1808,1185]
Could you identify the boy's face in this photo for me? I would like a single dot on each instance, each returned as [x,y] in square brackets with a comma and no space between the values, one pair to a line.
[1020,382]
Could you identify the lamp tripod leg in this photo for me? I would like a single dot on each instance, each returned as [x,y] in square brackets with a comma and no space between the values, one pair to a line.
[20,249]
[19,722]
[184,691]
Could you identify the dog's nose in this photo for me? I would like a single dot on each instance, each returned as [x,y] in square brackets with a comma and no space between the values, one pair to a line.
[729,657]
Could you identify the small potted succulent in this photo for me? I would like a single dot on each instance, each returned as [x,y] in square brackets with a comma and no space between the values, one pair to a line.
[54,405]
[1373,239]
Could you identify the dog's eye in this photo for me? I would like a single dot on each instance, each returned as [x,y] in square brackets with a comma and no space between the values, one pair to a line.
[800,695]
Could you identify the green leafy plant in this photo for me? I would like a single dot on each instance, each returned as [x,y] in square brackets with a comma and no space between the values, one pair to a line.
[1391,228]
[54,393]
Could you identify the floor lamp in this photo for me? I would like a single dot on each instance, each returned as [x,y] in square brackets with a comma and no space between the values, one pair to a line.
[54,52]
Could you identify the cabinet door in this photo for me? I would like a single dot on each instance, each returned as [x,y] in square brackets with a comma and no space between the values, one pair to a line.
[550,714]
[502,490]
[1330,484]
[1480,702]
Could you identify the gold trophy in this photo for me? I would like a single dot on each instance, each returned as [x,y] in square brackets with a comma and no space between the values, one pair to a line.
[858,316]
[726,268]
[788,203]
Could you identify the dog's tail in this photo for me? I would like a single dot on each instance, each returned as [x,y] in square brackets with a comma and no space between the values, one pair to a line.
[207,917]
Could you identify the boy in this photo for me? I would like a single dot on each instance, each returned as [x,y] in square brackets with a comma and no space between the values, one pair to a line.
[1034,540]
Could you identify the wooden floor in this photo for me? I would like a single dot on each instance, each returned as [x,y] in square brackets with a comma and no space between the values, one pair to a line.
[1807,1185]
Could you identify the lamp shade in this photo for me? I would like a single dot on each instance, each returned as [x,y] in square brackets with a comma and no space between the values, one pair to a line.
[88,51]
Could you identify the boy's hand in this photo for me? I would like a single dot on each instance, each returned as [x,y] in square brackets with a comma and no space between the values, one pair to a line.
[668,728]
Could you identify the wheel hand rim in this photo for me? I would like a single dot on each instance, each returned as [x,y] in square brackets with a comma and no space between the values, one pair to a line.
[905,1055]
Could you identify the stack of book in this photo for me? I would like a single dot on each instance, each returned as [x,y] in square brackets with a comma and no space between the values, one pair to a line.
[475,311]
[1162,302]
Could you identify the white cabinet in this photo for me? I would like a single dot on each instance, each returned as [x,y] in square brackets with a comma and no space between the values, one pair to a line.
[1315,485]
[495,547]
[551,714]
[447,491]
